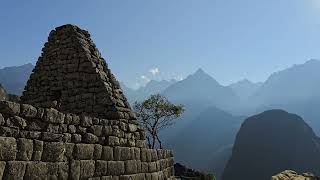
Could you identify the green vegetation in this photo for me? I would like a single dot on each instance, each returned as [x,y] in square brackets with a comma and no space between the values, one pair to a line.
[155,114]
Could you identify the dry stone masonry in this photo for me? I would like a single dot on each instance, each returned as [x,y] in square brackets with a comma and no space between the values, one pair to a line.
[74,121]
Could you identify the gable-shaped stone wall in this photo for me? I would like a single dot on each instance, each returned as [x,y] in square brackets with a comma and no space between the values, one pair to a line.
[71,76]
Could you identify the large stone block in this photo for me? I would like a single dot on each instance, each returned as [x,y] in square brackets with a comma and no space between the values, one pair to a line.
[123,153]
[15,170]
[8,148]
[84,151]
[87,168]
[90,138]
[74,170]
[37,150]
[16,122]
[131,167]
[36,170]
[9,132]
[97,154]
[53,151]
[86,121]
[52,137]
[113,141]
[25,149]
[53,116]
[101,168]
[116,167]
[28,111]
[10,108]
[107,153]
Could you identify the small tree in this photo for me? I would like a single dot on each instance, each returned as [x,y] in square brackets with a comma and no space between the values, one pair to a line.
[154,114]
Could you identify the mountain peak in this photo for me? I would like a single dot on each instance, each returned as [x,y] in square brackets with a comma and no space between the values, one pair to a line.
[200,71]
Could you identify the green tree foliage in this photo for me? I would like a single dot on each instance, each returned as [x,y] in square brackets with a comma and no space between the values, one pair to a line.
[155,114]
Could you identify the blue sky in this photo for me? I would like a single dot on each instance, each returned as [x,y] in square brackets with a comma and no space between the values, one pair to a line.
[229,39]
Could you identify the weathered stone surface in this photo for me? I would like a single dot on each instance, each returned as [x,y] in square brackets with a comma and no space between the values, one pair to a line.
[53,151]
[116,167]
[107,153]
[87,168]
[75,169]
[53,116]
[101,168]
[15,170]
[28,111]
[2,168]
[90,138]
[292,175]
[37,150]
[131,167]
[8,148]
[9,132]
[25,149]
[36,170]
[16,122]
[84,151]
[86,121]
[2,120]
[10,108]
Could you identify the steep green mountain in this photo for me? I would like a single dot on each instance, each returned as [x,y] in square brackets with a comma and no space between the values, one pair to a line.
[271,142]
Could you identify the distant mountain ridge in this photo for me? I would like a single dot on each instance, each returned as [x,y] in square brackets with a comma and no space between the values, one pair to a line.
[15,78]
[201,87]
[271,142]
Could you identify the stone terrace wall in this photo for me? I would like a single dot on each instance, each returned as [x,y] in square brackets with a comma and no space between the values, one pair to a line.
[38,143]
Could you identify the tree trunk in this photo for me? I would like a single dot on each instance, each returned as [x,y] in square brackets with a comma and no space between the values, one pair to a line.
[160,144]
[153,141]
[148,139]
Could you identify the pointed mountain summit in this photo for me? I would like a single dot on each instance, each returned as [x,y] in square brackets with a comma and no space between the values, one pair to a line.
[71,76]
[201,87]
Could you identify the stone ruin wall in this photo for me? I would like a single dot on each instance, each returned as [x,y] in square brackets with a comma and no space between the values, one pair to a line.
[74,121]
[39,143]
[71,76]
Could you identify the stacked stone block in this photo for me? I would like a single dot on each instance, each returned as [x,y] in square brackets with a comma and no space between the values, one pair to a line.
[71,76]
[42,143]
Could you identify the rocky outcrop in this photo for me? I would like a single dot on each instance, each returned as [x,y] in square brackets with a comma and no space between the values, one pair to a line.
[271,142]
[182,172]
[292,175]
[74,122]
[3,93]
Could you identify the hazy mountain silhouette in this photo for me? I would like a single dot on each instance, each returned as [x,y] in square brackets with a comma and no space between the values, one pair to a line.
[152,87]
[245,88]
[199,142]
[298,83]
[271,142]
[15,78]
[296,89]
[201,87]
